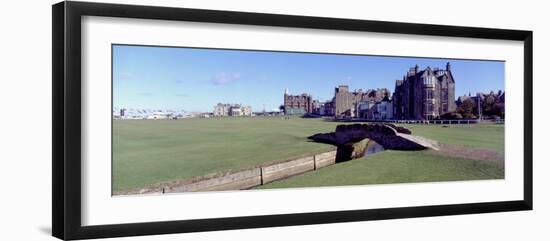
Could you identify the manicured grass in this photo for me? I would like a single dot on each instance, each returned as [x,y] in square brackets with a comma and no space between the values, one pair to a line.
[146,152]
[395,167]
[481,136]
[151,151]
[417,166]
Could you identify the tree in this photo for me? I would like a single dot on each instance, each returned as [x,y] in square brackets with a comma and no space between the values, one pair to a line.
[492,107]
[467,108]
[488,105]
[450,116]
[282,108]
[500,107]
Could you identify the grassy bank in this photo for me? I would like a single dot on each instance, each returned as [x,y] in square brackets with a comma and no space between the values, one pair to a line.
[396,167]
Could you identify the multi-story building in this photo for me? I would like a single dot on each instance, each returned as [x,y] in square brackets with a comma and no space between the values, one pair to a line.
[366,109]
[298,104]
[323,108]
[346,102]
[246,110]
[424,94]
[328,108]
[381,110]
[231,110]
[384,109]
[221,109]
[235,110]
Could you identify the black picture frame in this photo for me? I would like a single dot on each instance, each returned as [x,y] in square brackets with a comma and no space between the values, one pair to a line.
[66,153]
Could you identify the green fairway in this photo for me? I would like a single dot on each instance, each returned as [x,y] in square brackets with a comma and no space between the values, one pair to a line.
[395,167]
[484,136]
[146,152]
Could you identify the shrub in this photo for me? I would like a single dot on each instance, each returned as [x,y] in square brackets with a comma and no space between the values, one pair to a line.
[450,116]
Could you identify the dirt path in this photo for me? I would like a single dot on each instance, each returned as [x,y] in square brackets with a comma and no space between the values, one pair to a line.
[470,153]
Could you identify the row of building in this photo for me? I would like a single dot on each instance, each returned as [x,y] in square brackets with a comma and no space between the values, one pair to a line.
[231,110]
[419,95]
[370,104]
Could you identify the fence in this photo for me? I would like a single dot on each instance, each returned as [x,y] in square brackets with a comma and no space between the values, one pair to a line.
[440,122]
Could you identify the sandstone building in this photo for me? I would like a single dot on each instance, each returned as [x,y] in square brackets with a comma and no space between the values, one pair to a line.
[424,94]
[298,104]
[231,110]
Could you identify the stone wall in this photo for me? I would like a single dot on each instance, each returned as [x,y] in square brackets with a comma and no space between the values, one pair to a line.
[287,169]
[325,159]
[239,180]
[246,179]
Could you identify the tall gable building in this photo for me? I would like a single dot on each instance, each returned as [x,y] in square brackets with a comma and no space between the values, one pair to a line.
[424,94]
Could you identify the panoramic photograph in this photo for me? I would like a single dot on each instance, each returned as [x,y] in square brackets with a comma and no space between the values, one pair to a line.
[200,119]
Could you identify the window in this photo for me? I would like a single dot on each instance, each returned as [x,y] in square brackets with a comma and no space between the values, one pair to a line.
[429,94]
[430,108]
[429,80]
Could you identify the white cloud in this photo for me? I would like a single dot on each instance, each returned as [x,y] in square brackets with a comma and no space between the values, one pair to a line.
[225,78]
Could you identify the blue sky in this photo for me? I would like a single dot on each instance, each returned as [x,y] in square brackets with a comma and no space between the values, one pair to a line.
[194,79]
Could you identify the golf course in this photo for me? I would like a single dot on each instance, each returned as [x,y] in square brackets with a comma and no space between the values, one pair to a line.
[147,152]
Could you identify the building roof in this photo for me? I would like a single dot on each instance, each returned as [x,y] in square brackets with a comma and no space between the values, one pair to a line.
[446,73]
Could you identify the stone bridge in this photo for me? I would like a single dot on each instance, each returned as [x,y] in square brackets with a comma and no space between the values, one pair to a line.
[387,135]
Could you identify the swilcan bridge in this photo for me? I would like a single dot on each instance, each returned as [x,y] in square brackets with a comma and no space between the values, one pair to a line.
[389,136]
